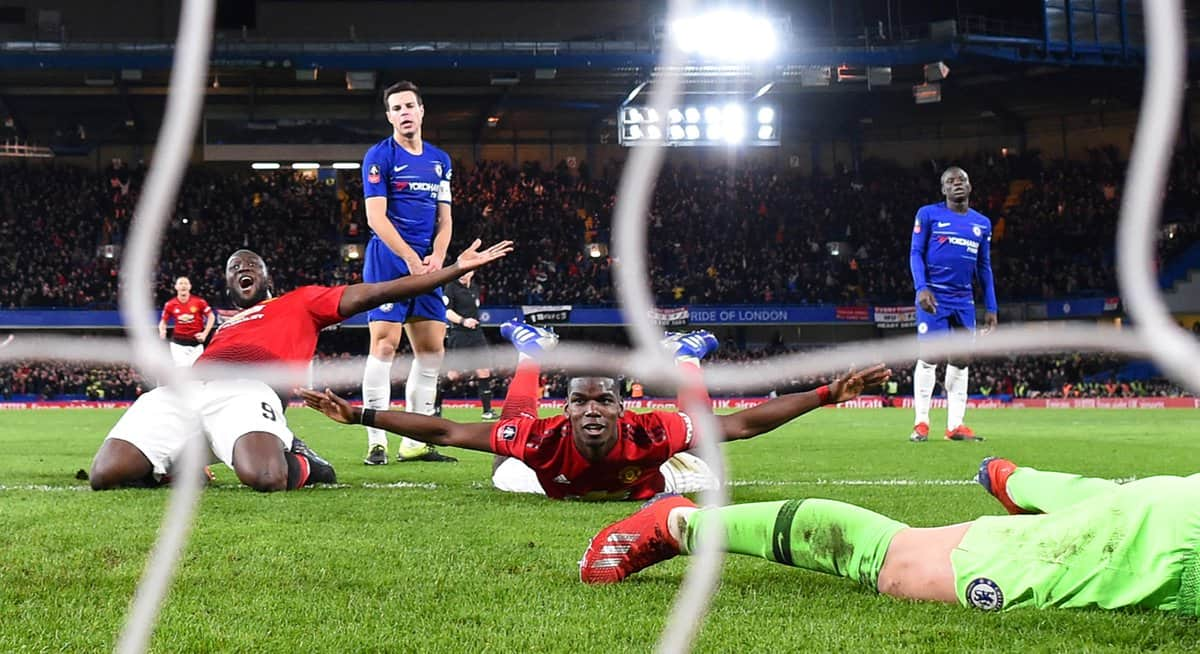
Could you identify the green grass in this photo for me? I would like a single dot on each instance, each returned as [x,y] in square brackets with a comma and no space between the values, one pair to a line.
[461,568]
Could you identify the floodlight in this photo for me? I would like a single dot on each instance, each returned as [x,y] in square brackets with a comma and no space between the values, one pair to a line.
[766,133]
[264,165]
[713,132]
[733,113]
[693,132]
[735,132]
[762,90]
[692,114]
[653,132]
[676,132]
[346,165]
[305,166]
[635,132]
[725,34]
[675,116]
[651,115]
[766,115]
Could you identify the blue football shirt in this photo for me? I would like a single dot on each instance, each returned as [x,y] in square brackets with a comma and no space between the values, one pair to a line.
[949,251]
[414,184]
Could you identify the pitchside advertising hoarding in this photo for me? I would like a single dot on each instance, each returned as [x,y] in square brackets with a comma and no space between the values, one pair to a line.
[886,317]
[733,403]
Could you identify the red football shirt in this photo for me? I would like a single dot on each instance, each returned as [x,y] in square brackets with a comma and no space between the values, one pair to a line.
[629,471]
[189,318]
[282,329]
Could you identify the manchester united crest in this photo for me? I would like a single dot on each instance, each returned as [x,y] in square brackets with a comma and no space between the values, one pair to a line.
[629,474]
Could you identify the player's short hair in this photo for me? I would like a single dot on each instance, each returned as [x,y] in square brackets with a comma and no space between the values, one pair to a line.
[952,169]
[400,87]
[612,381]
[189,279]
[250,252]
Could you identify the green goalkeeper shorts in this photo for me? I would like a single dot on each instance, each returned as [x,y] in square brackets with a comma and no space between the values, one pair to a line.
[1134,546]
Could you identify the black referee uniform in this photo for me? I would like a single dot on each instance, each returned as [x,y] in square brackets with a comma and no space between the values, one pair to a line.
[463,300]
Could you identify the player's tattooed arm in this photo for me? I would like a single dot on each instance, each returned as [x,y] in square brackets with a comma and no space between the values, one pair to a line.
[771,414]
[361,297]
[427,429]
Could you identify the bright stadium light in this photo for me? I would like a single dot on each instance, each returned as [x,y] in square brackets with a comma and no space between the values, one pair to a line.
[346,165]
[264,165]
[725,35]
[714,121]
[305,166]
[734,133]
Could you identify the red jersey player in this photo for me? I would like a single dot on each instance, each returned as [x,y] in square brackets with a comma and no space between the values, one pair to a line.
[193,321]
[242,418]
[595,450]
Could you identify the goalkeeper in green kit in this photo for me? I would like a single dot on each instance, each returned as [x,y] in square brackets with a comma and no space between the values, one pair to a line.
[1071,542]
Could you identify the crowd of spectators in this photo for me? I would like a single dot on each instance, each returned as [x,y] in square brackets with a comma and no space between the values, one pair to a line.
[1024,376]
[55,380]
[746,235]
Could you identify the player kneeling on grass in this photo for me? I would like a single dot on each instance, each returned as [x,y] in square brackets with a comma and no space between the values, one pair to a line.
[595,450]
[1088,543]
[242,418]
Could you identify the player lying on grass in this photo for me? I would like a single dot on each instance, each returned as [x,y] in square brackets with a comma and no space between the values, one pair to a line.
[1078,542]
[242,419]
[595,450]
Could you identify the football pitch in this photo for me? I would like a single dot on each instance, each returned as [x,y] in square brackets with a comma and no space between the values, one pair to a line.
[428,558]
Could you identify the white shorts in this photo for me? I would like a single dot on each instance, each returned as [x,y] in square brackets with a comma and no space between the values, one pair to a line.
[185,355]
[683,473]
[160,422]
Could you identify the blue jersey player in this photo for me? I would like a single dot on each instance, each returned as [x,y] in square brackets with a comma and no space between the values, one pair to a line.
[406,183]
[951,248]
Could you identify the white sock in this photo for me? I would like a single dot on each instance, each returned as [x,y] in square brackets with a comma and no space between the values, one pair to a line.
[956,395]
[420,393]
[377,394]
[924,377]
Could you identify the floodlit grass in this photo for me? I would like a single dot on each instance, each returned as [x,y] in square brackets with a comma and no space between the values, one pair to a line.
[458,567]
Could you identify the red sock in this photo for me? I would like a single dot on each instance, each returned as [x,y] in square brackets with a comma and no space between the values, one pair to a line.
[522,400]
[691,371]
[298,470]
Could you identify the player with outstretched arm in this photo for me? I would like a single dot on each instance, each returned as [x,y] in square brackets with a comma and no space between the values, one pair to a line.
[240,417]
[595,450]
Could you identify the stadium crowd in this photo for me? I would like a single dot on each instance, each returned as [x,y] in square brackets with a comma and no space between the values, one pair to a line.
[1065,375]
[749,235]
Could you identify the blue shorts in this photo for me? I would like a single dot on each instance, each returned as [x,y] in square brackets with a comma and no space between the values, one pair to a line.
[380,265]
[947,320]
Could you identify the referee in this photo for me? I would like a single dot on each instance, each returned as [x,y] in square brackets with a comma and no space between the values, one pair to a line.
[462,312]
